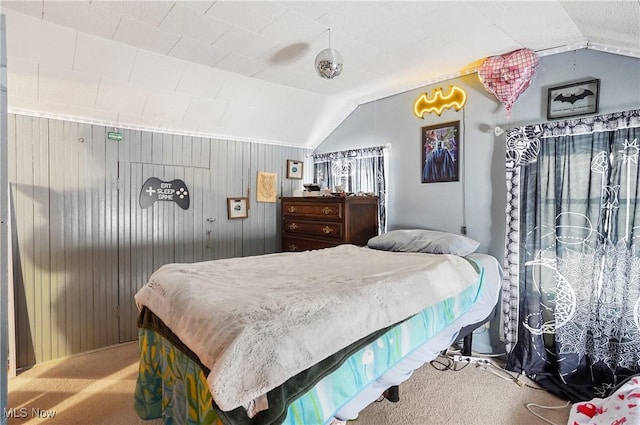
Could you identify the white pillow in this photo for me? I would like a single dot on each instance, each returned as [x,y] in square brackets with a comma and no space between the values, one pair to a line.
[419,240]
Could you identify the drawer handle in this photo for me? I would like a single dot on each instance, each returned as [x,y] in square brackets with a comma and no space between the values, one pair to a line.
[291,208]
[293,247]
[326,210]
[293,226]
[327,230]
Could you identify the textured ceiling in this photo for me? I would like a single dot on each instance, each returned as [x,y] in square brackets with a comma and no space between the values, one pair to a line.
[245,69]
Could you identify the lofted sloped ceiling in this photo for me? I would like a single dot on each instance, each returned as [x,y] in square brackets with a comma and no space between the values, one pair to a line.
[244,70]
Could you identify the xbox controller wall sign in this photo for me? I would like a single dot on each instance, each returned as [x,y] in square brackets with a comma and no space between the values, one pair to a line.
[155,189]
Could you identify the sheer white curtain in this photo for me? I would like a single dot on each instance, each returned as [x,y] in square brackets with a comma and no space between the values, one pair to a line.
[357,170]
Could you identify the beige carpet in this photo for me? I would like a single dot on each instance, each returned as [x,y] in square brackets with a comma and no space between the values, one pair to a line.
[97,388]
[470,396]
[89,389]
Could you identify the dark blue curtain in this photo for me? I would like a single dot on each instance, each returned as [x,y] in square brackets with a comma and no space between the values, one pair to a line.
[571,295]
[357,170]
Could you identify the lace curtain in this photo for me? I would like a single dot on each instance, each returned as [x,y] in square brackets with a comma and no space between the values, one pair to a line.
[357,170]
[571,295]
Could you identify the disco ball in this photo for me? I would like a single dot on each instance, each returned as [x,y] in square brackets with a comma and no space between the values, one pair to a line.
[329,63]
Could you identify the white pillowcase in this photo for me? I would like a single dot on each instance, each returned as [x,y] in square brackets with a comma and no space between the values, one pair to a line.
[420,240]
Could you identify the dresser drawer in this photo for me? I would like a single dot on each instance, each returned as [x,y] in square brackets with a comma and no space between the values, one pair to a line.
[293,244]
[333,230]
[324,210]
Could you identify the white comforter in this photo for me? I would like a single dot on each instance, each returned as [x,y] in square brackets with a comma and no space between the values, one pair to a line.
[257,321]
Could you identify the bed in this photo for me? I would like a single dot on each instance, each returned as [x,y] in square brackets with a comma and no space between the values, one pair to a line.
[304,338]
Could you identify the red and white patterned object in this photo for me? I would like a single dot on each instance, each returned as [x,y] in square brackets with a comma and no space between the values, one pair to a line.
[620,408]
[509,75]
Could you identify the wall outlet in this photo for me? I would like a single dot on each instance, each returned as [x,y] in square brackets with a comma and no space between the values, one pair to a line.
[471,359]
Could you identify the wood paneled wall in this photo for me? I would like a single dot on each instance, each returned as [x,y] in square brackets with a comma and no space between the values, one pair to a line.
[83,246]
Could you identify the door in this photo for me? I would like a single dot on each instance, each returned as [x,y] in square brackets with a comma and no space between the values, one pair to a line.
[162,232]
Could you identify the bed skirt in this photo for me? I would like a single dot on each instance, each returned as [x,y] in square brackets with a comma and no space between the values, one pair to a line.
[170,384]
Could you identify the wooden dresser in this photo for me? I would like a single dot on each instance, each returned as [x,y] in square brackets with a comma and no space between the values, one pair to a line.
[314,223]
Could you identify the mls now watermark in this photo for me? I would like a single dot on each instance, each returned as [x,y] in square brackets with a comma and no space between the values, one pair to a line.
[24,413]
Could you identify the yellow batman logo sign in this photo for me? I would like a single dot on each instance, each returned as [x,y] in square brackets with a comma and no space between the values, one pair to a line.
[456,98]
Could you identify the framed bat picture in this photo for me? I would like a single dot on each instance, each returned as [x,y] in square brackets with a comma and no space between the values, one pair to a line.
[294,169]
[573,99]
[440,146]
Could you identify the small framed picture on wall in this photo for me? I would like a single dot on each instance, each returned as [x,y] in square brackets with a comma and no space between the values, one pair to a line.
[266,188]
[574,99]
[294,169]
[237,208]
